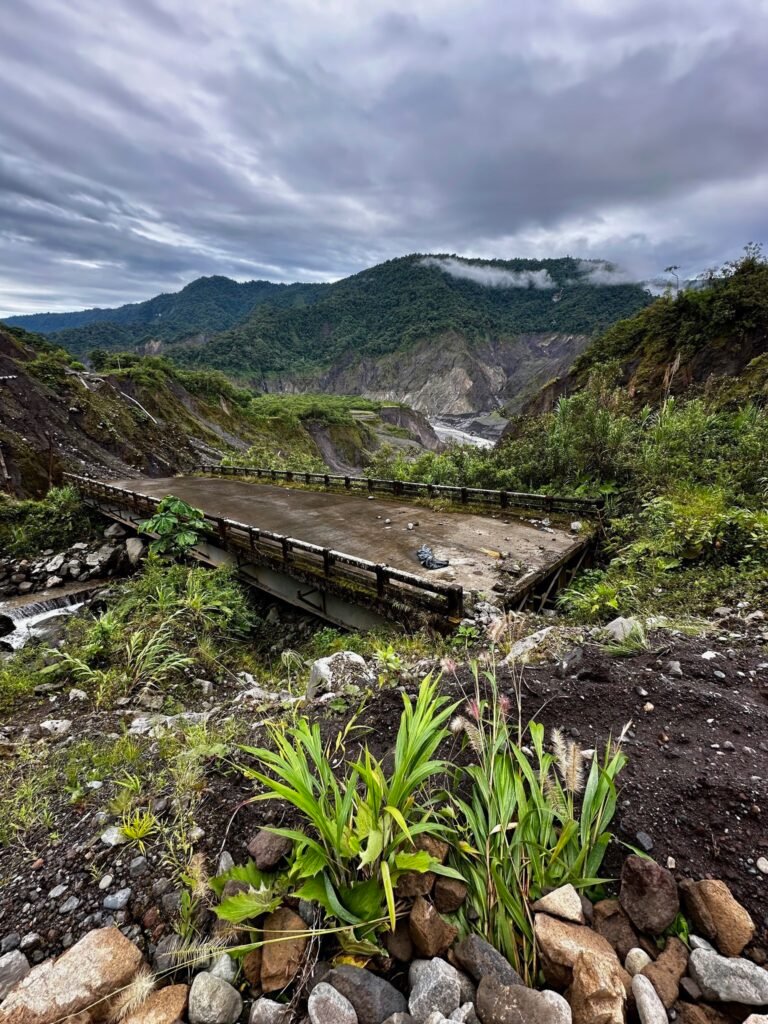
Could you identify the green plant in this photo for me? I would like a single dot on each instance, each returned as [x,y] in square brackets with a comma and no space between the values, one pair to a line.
[178,526]
[533,820]
[362,821]
[138,826]
[388,661]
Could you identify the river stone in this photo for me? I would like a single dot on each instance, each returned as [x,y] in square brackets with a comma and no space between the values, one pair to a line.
[213,1000]
[267,849]
[431,935]
[636,960]
[649,1007]
[326,1005]
[733,927]
[96,966]
[373,998]
[648,894]
[729,979]
[667,971]
[166,1006]
[13,967]
[267,1011]
[281,960]
[598,991]
[564,903]
[516,1004]
[435,985]
[478,958]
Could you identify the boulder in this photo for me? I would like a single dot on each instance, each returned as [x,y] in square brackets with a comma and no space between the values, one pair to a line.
[7,625]
[136,549]
[430,934]
[561,944]
[715,912]
[280,961]
[478,958]
[339,671]
[435,985]
[327,1005]
[564,903]
[650,1008]
[102,962]
[648,894]
[610,921]
[622,628]
[729,979]
[667,971]
[166,1006]
[516,1004]
[598,991]
[213,1000]
[373,998]
[267,849]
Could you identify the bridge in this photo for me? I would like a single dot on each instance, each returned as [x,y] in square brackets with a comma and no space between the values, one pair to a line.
[345,548]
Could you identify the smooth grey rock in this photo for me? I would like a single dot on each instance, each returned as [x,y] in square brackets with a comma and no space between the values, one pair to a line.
[267,1011]
[9,942]
[373,998]
[117,900]
[224,967]
[13,967]
[138,866]
[213,1001]
[635,960]
[621,629]
[649,1007]
[326,1005]
[515,1004]
[729,979]
[435,985]
[70,905]
[697,942]
[479,958]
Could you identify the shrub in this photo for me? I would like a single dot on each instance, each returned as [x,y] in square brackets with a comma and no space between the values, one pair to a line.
[55,521]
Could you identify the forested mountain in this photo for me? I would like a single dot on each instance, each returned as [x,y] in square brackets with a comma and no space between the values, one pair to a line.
[204,306]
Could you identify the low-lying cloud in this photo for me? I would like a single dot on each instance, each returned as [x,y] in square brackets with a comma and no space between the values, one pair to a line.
[490,277]
[605,273]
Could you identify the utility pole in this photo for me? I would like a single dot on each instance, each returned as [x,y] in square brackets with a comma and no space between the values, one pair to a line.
[673,270]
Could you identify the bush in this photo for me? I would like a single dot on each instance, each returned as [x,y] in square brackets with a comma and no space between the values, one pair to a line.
[55,521]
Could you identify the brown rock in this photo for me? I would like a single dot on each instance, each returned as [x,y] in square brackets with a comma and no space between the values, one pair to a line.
[734,928]
[165,1006]
[282,960]
[560,944]
[699,1013]
[450,893]
[610,921]
[95,967]
[251,966]
[697,910]
[598,993]
[648,894]
[430,934]
[666,973]
[413,884]
[399,944]
[436,848]
[267,849]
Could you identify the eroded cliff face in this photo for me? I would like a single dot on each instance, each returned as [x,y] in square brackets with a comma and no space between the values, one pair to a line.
[450,376]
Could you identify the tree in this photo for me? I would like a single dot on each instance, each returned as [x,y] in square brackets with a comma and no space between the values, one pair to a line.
[98,359]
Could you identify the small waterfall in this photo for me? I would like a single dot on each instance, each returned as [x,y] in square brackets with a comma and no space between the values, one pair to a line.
[29,614]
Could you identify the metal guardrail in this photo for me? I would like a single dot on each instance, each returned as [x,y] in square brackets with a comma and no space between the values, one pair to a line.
[413,489]
[362,581]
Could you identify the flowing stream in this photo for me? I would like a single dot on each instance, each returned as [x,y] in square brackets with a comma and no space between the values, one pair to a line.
[450,434]
[29,613]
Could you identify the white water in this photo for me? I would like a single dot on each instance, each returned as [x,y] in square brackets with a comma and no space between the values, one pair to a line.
[26,629]
[32,611]
[454,435]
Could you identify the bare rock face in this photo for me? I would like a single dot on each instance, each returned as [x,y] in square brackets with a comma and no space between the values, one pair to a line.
[431,935]
[561,944]
[666,973]
[598,993]
[712,906]
[102,962]
[281,960]
[648,894]
[165,1006]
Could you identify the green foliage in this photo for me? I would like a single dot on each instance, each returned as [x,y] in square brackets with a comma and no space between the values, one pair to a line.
[533,820]
[361,821]
[55,521]
[178,526]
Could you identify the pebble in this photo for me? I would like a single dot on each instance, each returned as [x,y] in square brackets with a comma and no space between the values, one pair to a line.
[762,865]
[13,967]
[327,1006]
[117,900]
[268,1011]
[649,1007]
[213,1001]
[113,836]
[138,866]
[636,960]
[10,941]
[105,882]
[57,891]
[69,905]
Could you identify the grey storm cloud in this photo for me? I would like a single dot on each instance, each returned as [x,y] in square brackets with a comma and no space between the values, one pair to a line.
[147,142]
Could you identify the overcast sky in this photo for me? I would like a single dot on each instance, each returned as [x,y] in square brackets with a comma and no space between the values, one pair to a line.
[146,142]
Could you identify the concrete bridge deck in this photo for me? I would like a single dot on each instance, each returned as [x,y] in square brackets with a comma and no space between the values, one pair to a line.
[375,528]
